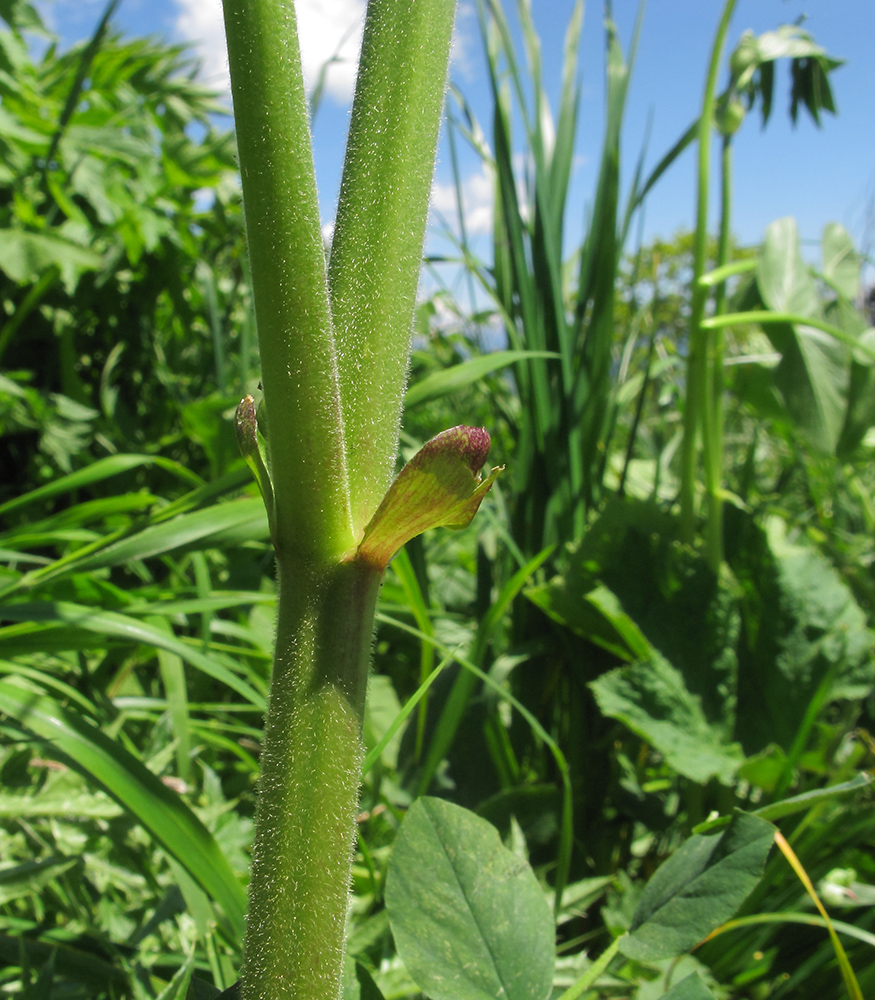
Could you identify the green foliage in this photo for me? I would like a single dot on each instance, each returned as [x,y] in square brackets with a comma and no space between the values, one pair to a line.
[699,888]
[625,727]
[468,916]
[105,337]
[690,988]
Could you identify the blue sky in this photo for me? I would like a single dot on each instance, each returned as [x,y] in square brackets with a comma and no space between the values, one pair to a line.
[817,175]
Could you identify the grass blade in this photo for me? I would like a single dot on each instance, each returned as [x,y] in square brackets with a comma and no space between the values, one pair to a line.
[163,813]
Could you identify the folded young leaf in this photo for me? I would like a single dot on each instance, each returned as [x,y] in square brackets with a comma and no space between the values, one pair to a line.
[439,487]
[252,447]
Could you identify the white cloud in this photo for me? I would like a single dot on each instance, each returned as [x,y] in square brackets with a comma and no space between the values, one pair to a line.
[466,41]
[200,23]
[328,30]
[477,197]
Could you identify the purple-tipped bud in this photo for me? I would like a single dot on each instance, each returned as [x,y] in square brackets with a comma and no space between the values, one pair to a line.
[439,486]
[470,444]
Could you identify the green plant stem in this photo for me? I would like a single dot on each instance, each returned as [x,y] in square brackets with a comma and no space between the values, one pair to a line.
[284,233]
[697,356]
[714,408]
[376,251]
[333,406]
[310,771]
[766,316]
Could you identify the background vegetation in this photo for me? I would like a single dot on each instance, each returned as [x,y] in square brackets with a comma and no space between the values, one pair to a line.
[629,687]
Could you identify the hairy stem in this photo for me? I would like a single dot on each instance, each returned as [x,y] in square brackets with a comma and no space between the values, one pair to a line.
[310,772]
[284,233]
[376,252]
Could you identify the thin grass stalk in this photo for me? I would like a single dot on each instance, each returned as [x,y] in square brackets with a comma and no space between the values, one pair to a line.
[645,384]
[714,452]
[594,313]
[697,350]
[520,303]
[528,266]
[460,222]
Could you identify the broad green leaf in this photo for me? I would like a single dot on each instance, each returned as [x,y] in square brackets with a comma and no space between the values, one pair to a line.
[200,990]
[439,487]
[358,984]
[814,373]
[841,262]
[691,988]
[161,811]
[814,379]
[698,888]
[449,380]
[652,700]
[25,256]
[672,602]
[231,993]
[596,615]
[860,414]
[784,279]
[807,636]
[368,989]
[469,918]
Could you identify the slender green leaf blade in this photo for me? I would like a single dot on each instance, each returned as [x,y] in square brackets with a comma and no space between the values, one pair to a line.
[102,469]
[217,526]
[449,380]
[30,877]
[161,811]
[111,623]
